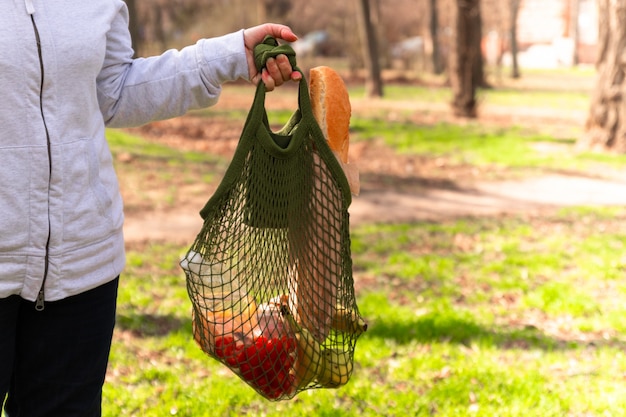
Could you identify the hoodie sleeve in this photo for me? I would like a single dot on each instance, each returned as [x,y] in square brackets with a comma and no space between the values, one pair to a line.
[133,92]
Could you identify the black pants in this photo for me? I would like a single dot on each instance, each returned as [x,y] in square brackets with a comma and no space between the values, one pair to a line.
[53,362]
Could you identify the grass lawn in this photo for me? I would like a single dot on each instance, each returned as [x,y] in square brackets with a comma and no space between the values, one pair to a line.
[507,316]
[493,317]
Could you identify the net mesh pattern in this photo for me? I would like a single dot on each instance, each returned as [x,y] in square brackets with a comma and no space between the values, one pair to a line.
[270,273]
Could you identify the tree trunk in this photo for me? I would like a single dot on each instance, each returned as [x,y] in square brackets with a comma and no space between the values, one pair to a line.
[373,83]
[514,9]
[606,123]
[133,27]
[476,31]
[434,35]
[159,27]
[573,28]
[463,57]
[377,22]
[261,11]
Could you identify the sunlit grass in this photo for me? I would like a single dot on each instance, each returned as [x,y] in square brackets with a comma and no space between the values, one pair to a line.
[570,100]
[494,317]
[506,316]
[470,143]
[478,145]
[122,142]
[510,97]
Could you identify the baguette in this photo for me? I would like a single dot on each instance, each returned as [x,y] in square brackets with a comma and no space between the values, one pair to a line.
[331,107]
[317,279]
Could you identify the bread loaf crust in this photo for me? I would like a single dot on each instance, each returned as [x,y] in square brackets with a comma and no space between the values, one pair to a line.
[331,108]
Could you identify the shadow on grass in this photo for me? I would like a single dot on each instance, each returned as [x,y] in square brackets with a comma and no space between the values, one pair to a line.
[460,330]
[151,325]
[380,181]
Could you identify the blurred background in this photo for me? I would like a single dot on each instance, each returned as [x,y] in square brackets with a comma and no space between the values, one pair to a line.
[411,34]
[489,236]
[468,45]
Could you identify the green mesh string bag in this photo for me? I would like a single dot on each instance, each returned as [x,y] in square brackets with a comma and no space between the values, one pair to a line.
[270,273]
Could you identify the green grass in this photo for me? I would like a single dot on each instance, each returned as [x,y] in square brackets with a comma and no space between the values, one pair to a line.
[463,144]
[505,316]
[509,97]
[153,175]
[512,148]
[122,142]
[490,317]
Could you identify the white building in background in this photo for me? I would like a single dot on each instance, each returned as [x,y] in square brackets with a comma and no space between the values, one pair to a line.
[547,31]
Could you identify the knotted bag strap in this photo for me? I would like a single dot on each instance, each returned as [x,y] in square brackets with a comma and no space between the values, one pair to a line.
[303,117]
[270,48]
[283,144]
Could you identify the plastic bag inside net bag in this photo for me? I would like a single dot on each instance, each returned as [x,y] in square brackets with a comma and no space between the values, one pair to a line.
[270,273]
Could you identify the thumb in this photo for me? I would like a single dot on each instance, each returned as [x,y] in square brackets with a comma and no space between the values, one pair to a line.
[256,34]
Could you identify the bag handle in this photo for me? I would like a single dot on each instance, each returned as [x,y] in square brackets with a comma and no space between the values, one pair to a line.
[265,50]
[301,126]
[270,48]
[304,118]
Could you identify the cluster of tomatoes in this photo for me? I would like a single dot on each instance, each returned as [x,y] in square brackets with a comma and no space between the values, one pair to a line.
[264,363]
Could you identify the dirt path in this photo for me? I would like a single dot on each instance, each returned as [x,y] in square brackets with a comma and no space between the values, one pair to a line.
[533,195]
[394,188]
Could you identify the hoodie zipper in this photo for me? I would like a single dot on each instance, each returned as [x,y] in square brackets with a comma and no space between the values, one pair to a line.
[39,303]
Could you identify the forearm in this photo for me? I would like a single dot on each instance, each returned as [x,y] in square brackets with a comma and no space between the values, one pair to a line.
[169,85]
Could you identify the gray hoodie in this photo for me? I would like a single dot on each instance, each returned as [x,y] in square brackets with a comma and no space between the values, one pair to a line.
[66,71]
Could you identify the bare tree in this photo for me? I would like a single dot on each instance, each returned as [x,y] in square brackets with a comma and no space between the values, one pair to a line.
[133,26]
[606,122]
[374,83]
[514,11]
[476,31]
[463,57]
[270,10]
[434,35]
[261,8]
[573,28]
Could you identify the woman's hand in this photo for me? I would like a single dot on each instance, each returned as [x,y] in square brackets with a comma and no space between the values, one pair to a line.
[278,70]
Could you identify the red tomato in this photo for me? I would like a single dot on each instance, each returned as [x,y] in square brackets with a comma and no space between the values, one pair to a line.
[289,343]
[274,347]
[286,356]
[265,364]
[269,358]
[260,342]
[224,346]
[277,382]
[233,357]
[262,382]
[253,356]
[273,394]
[242,356]
[287,384]
[246,371]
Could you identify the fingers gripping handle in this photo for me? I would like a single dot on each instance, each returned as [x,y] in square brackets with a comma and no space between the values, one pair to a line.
[270,48]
